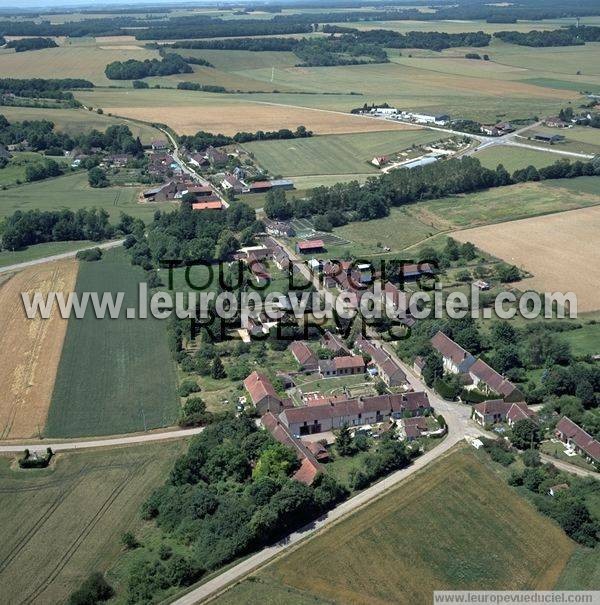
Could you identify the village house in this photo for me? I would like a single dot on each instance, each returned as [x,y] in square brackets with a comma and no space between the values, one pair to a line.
[504,128]
[494,411]
[578,439]
[279,228]
[309,465]
[396,303]
[208,205]
[387,369]
[262,394]
[334,343]
[487,380]
[456,360]
[379,161]
[346,365]
[304,355]
[413,428]
[159,145]
[309,420]
[419,365]
[555,122]
[199,160]
[231,182]
[216,157]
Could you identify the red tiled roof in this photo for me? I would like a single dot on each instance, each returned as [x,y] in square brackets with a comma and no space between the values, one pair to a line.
[495,381]
[216,205]
[448,348]
[311,244]
[520,411]
[259,387]
[302,353]
[582,439]
[348,362]
[493,406]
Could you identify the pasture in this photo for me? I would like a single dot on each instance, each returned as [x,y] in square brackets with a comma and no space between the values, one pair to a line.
[115,375]
[507,203]
[549,247]
[578,139]
[62,523]
[32,349]
[455,525]
[40,251]
[513,158]
[334,154]
[76,121]
[73,192]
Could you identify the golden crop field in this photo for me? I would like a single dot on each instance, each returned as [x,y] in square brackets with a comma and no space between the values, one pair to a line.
[32,349]
[560,250]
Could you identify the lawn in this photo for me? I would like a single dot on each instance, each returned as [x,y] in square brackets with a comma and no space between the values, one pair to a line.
[73,192]
[40,251]
[584,341]
[454,525]
[334,154]
[63,523]
[115,375]
[513,158]
[76,121]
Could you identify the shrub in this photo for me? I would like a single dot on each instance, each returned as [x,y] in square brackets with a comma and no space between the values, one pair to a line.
[93,590]
[187,387]
[90,255]
[129,541]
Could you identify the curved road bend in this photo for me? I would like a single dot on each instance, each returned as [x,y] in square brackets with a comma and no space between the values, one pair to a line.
[48,259]
[66,446]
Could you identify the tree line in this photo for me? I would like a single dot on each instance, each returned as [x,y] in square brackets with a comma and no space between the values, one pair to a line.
[201,140]
[406,186]
[44,88]
[26,44]
[569,36]
[132,69]
[31,227]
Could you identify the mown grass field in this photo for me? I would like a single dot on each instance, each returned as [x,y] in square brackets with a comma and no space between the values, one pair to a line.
[40,251]
[334,154]
[72,191]
[514,202]
[513,158]
[76,121]
[115,375]
[62,523]
[582,571]
[585,341]
[454,525]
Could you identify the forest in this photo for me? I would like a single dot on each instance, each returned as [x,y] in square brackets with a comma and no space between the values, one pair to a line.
[570,36]
[26,44]
[44,88]
[133,69]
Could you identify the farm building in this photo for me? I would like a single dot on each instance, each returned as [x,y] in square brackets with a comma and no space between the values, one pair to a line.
[549,138]
[208,205]
[578,439]
[309,420]
[310,246]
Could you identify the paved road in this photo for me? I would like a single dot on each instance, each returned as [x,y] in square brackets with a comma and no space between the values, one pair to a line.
[48,259]
[65,446]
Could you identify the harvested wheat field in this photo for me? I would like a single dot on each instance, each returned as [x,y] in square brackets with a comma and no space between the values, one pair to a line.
[235,117]
[31,349]
[562,251]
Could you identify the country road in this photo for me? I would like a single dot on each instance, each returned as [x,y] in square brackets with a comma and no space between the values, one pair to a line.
[65,446]
[48,259]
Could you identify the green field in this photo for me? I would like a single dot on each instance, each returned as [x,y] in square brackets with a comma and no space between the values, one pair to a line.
[505,204]
[60,524]
[334,154]
[72,191]
[76,121]
[584,341]
[578,139]
[513,158]
[582,571]
[454,525]
[115,375]
[15,171]
[40,251]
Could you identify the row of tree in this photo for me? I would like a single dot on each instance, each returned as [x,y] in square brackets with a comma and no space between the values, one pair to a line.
[201,140]
[56,89]
[25,44]
[569,36]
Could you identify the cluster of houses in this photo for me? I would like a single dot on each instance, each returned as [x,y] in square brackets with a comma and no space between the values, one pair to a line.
[497,130]
[419,118]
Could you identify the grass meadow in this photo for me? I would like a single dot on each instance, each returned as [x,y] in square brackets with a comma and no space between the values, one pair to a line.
[62,523]
[73,192]
[513,158]
[334,154]
[75,121]
[40,251]
[455,525]
[115,375]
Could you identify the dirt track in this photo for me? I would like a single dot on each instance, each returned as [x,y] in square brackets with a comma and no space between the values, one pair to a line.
[31,349]
[561,250]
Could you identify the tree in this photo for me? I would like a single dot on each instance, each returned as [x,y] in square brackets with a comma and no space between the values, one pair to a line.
[531,457]
[433,369]
[276,461]
[97,178]
[129,540]
[217,371]
[525,434]
[94,589]
[344,442]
